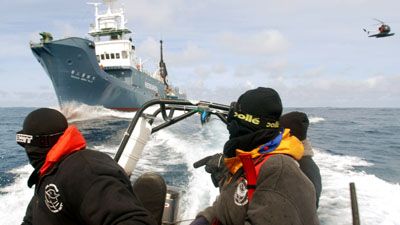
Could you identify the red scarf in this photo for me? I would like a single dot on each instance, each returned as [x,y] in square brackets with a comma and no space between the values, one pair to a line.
[71,141]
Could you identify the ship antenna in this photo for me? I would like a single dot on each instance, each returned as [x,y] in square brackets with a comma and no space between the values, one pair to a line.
[163,67]
[96,14]
[110,4]
[96,7]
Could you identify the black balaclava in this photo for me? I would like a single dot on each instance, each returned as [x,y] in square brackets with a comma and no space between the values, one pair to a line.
[297,122]
[254,110]
[42,122]
[253,120]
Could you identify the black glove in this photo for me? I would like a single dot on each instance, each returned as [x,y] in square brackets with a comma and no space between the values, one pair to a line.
[201,220]
[214,165]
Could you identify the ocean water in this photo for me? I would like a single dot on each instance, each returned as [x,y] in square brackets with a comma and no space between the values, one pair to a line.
[351,145]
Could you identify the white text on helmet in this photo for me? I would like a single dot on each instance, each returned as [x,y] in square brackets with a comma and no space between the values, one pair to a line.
[24,138]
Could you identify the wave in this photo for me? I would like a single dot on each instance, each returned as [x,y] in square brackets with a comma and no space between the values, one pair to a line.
[14,202]
[313,119]
[75,112]
[199,190]
[378,200]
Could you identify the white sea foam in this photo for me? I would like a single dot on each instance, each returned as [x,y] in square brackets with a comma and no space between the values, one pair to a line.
[106,148]
[200,190]
[75,112]
[80,112]
[378,200]
[314,119]
[14,202]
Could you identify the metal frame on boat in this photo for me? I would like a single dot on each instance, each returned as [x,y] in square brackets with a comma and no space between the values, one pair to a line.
[144,124]
[188,107]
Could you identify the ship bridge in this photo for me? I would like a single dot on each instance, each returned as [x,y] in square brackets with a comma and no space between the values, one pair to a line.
[113,48]
[111,23]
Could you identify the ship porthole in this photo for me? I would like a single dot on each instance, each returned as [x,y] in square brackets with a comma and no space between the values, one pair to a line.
[69,62]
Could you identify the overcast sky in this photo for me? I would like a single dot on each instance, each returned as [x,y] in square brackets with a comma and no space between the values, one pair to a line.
[314,53]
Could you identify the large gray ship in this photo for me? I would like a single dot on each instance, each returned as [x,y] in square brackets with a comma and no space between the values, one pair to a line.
[104,71]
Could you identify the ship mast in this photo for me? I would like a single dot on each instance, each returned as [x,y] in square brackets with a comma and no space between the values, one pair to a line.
[163,67]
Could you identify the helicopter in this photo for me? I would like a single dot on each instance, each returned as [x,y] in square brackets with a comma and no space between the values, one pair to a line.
[383,30]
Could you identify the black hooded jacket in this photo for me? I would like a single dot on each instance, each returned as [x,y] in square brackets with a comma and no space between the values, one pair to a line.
[86,187]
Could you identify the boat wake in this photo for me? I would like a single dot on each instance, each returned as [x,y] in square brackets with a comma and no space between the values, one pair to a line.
[75,112]
[378,200]
[15,197]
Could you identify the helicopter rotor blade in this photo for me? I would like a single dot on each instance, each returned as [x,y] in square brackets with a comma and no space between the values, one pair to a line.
[379,21]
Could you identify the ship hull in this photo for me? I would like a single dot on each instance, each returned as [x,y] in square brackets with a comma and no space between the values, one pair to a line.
[76,76]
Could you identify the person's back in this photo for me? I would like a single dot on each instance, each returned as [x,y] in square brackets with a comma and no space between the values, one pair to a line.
[82,188]
[74,185]
[283,195]
[290,193]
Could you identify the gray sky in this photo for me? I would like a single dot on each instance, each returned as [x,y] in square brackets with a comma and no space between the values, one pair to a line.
[314,53]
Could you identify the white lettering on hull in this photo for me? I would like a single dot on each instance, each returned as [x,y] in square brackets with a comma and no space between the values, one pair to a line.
[82,76]
[151,86]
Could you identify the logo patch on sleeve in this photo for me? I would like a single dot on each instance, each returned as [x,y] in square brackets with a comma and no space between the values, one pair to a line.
[52,200]
[240,196]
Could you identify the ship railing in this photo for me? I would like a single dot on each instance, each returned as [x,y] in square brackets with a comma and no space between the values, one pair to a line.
[116,67]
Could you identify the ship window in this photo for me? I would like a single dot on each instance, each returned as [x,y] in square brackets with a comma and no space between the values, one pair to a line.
[107,56]
[98,58]
[117,55]
[114,37]
[102,56]
[112,56]
[124,54]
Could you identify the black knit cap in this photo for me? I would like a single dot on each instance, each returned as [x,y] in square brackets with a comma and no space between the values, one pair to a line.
[261,102]
[44,121]
[44,126]
[297,122]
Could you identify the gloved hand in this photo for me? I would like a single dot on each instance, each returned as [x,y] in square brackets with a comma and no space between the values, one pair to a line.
[214,165]
[201,220]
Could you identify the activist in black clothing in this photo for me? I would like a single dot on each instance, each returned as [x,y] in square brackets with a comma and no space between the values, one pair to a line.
[298,124]
[282,193]
[74,185]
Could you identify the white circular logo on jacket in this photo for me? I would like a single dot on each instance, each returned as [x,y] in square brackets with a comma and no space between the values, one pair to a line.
[52,198]
[240,196]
